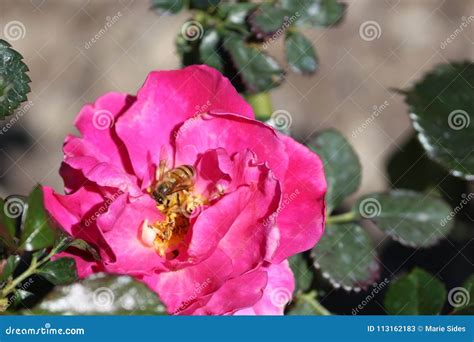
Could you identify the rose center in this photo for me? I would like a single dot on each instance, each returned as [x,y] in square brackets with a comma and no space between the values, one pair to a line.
[167,235]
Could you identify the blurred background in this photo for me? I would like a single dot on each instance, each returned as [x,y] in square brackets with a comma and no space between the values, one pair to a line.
[354,84]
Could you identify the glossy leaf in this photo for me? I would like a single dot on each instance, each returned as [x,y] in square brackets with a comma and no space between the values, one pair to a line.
[301,271]
[462,298]
[84,246]
[235,13]
[7,220]
[341,165]
[346,257]
[268,19]
[208,50]
[12,262]
[60,271]
[416,293]
[37,231]
[259,72]
[315,12]
[442,112]
[414,219]
[307,305]
[13,79]
[101,294]
[168,6]
[300,53]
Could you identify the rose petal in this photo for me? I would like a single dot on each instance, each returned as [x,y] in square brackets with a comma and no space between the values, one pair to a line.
[165,101]
[301,214]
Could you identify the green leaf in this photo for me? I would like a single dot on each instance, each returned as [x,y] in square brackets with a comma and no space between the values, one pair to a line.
[412,218]
[259,72]
[204,4]
[13,79]
[8,213]
[60,271]
[300,53]
[315,12]
[235,13]
[346,257]
[341,164]
[301,271]
[168,6]
[84,246]
[208,50]
[12,262]
[442,112]
[416,293]
[306,304]
[101,294]
[37,231]
[462,298]
[268,19]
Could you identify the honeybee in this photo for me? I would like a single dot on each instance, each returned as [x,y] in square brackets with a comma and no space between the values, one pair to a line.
[172,184]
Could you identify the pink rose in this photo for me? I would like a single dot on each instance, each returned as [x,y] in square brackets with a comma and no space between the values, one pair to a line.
[218,241]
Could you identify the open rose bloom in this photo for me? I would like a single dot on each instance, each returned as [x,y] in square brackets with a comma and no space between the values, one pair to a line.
[238,197]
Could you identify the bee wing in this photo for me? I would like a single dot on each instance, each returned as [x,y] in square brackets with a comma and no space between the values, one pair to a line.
[161,170]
